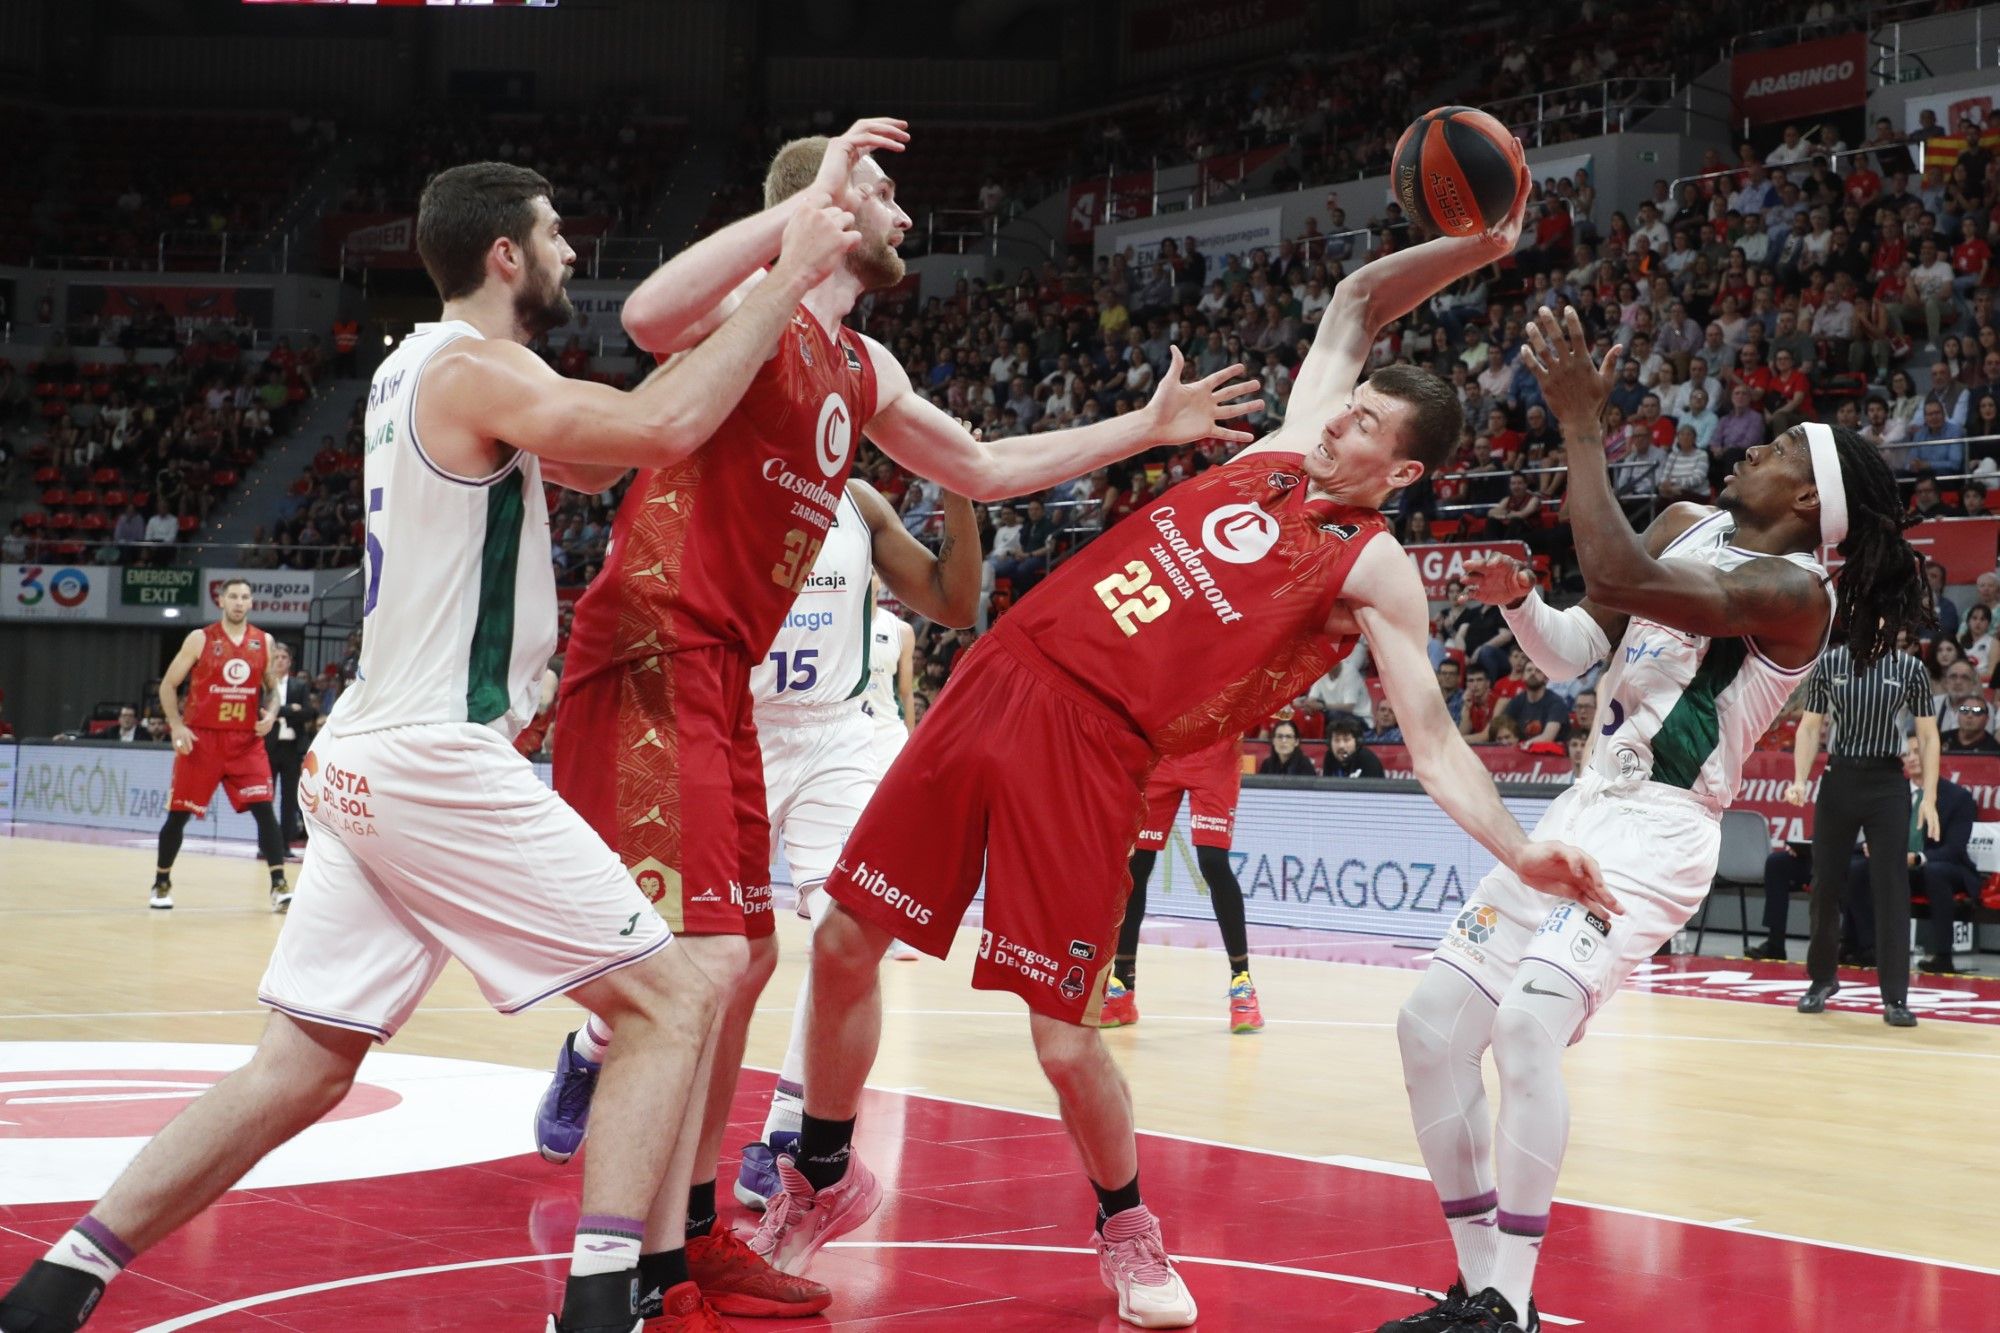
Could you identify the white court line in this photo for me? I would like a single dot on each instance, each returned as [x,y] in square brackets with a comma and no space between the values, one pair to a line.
[369,1279]
[1365,1164]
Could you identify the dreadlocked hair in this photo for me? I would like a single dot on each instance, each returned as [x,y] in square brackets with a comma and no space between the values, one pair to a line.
[1881,586]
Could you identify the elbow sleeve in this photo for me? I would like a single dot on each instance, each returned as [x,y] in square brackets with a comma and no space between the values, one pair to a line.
[1564,644]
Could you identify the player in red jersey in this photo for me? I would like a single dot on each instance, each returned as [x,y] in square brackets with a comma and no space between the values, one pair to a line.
[1211,779]
[656,746]
[1189,622]
[227,667]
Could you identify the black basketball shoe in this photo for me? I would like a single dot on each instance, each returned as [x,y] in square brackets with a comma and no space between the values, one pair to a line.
[50,1298]
[1448,1313]
[1489,1312]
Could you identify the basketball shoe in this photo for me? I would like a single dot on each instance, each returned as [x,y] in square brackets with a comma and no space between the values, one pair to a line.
[281,898]
[682,1309]
[800,1219]
[1132,1260]
[1121,1006]
[737,1281]
[757,1177]
[1450,1311]
[904,953]
[1245,1014]
[563,1114]
[50,1298]
[163,896]
[1489,1312]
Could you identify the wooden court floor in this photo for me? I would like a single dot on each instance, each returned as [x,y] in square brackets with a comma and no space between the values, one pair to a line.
[1835,1128]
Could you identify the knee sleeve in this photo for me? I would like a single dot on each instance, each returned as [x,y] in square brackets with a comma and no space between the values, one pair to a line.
[1225,895]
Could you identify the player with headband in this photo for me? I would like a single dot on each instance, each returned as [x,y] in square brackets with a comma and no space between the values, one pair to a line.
[1718,614]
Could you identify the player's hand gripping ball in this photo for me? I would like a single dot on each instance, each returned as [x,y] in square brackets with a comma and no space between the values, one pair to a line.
[1457,172]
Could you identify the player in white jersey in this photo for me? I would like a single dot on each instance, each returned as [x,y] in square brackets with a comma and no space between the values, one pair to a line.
[1717,615]
[892,688]
[432,838]
[819,734]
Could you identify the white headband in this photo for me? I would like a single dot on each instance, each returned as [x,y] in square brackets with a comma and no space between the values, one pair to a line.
[1826,476]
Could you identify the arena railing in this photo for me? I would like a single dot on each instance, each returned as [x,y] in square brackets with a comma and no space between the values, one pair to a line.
[1914,147]
[1609,113]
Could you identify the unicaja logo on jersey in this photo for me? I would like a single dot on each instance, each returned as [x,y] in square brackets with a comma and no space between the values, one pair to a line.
[1239,534]
[834,435]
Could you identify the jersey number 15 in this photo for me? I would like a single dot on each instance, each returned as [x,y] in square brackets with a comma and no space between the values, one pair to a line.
[1133,597]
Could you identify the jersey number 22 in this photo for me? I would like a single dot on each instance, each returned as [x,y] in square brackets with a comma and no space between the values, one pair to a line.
[1133,597]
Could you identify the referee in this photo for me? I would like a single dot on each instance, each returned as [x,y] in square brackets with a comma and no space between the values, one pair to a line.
[1864,789]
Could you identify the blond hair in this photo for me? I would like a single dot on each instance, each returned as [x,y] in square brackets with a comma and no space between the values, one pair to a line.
[793,168]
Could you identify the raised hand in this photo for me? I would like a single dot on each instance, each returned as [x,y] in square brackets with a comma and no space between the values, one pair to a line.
[1566,872]
[1574,387]
[817,239]
[1497,580]
[1182,413]
[863,137]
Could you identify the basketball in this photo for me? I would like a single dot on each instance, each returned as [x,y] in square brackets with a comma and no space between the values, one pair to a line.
[1455,171]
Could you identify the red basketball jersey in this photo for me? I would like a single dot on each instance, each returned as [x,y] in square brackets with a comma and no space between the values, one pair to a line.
[713,550]
[1201,613]
[227,679]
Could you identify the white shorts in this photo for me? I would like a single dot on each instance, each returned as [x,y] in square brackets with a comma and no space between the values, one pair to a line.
[821,767]
[1657,847]
[890,738]
[438,841]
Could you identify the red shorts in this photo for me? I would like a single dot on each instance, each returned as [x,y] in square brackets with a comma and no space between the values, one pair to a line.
[235,758]
[1212,779]
[1016,771]
[661,759]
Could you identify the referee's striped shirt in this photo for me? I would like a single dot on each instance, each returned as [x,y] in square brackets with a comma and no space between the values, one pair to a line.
[1864,709]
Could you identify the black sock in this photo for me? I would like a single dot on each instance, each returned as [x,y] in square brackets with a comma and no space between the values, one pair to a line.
[63,1296]
[823,1149]
[278,878]
[659,1274]
[600,1299]
[1110,1203]
[162,878]
[701,1210]
[1238,965]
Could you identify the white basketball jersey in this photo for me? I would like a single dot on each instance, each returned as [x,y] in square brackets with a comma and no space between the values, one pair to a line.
[821,653]
[884,653]
[459,618]
[1682,709]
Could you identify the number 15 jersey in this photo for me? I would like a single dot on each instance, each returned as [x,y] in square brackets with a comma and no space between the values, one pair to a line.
[1197,616]
[713,550]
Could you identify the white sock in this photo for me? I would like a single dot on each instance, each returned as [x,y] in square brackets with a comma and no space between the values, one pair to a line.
[592,1040]
[788,1102]
[605,1244]
[1530,1032]
[90,1247]
[1443,1031]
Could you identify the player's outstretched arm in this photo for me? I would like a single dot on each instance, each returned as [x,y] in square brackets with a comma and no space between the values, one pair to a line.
[943,586]
[491,389]
[926,439]
[1383,291]
[1387,599]
[687,298]
[1567,643]
[1783,606]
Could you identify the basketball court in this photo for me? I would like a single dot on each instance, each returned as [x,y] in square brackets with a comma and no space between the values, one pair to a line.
[1733,1165]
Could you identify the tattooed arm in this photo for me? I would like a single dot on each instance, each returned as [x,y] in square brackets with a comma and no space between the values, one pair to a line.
[942,587]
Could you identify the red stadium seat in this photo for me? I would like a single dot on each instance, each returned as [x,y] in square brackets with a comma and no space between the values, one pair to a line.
[62,521]
[33,520]
[47,476]
[83,499]
[112,499]
[189,523]
[95,522]
[55,497]
[104,476]
[144,499]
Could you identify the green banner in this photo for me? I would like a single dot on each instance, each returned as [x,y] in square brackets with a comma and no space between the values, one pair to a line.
[159,587]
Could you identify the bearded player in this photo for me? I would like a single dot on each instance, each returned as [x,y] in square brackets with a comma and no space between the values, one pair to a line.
[818,735]
[656,740]
[227,665]
[1718,614]
[1185,624]
[1211,779]
[432,837]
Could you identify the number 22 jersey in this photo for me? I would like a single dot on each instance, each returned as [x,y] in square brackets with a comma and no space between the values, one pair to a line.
[1200,614]
[713,550]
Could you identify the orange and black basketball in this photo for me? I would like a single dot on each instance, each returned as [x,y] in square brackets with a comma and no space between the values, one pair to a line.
[1455,171]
